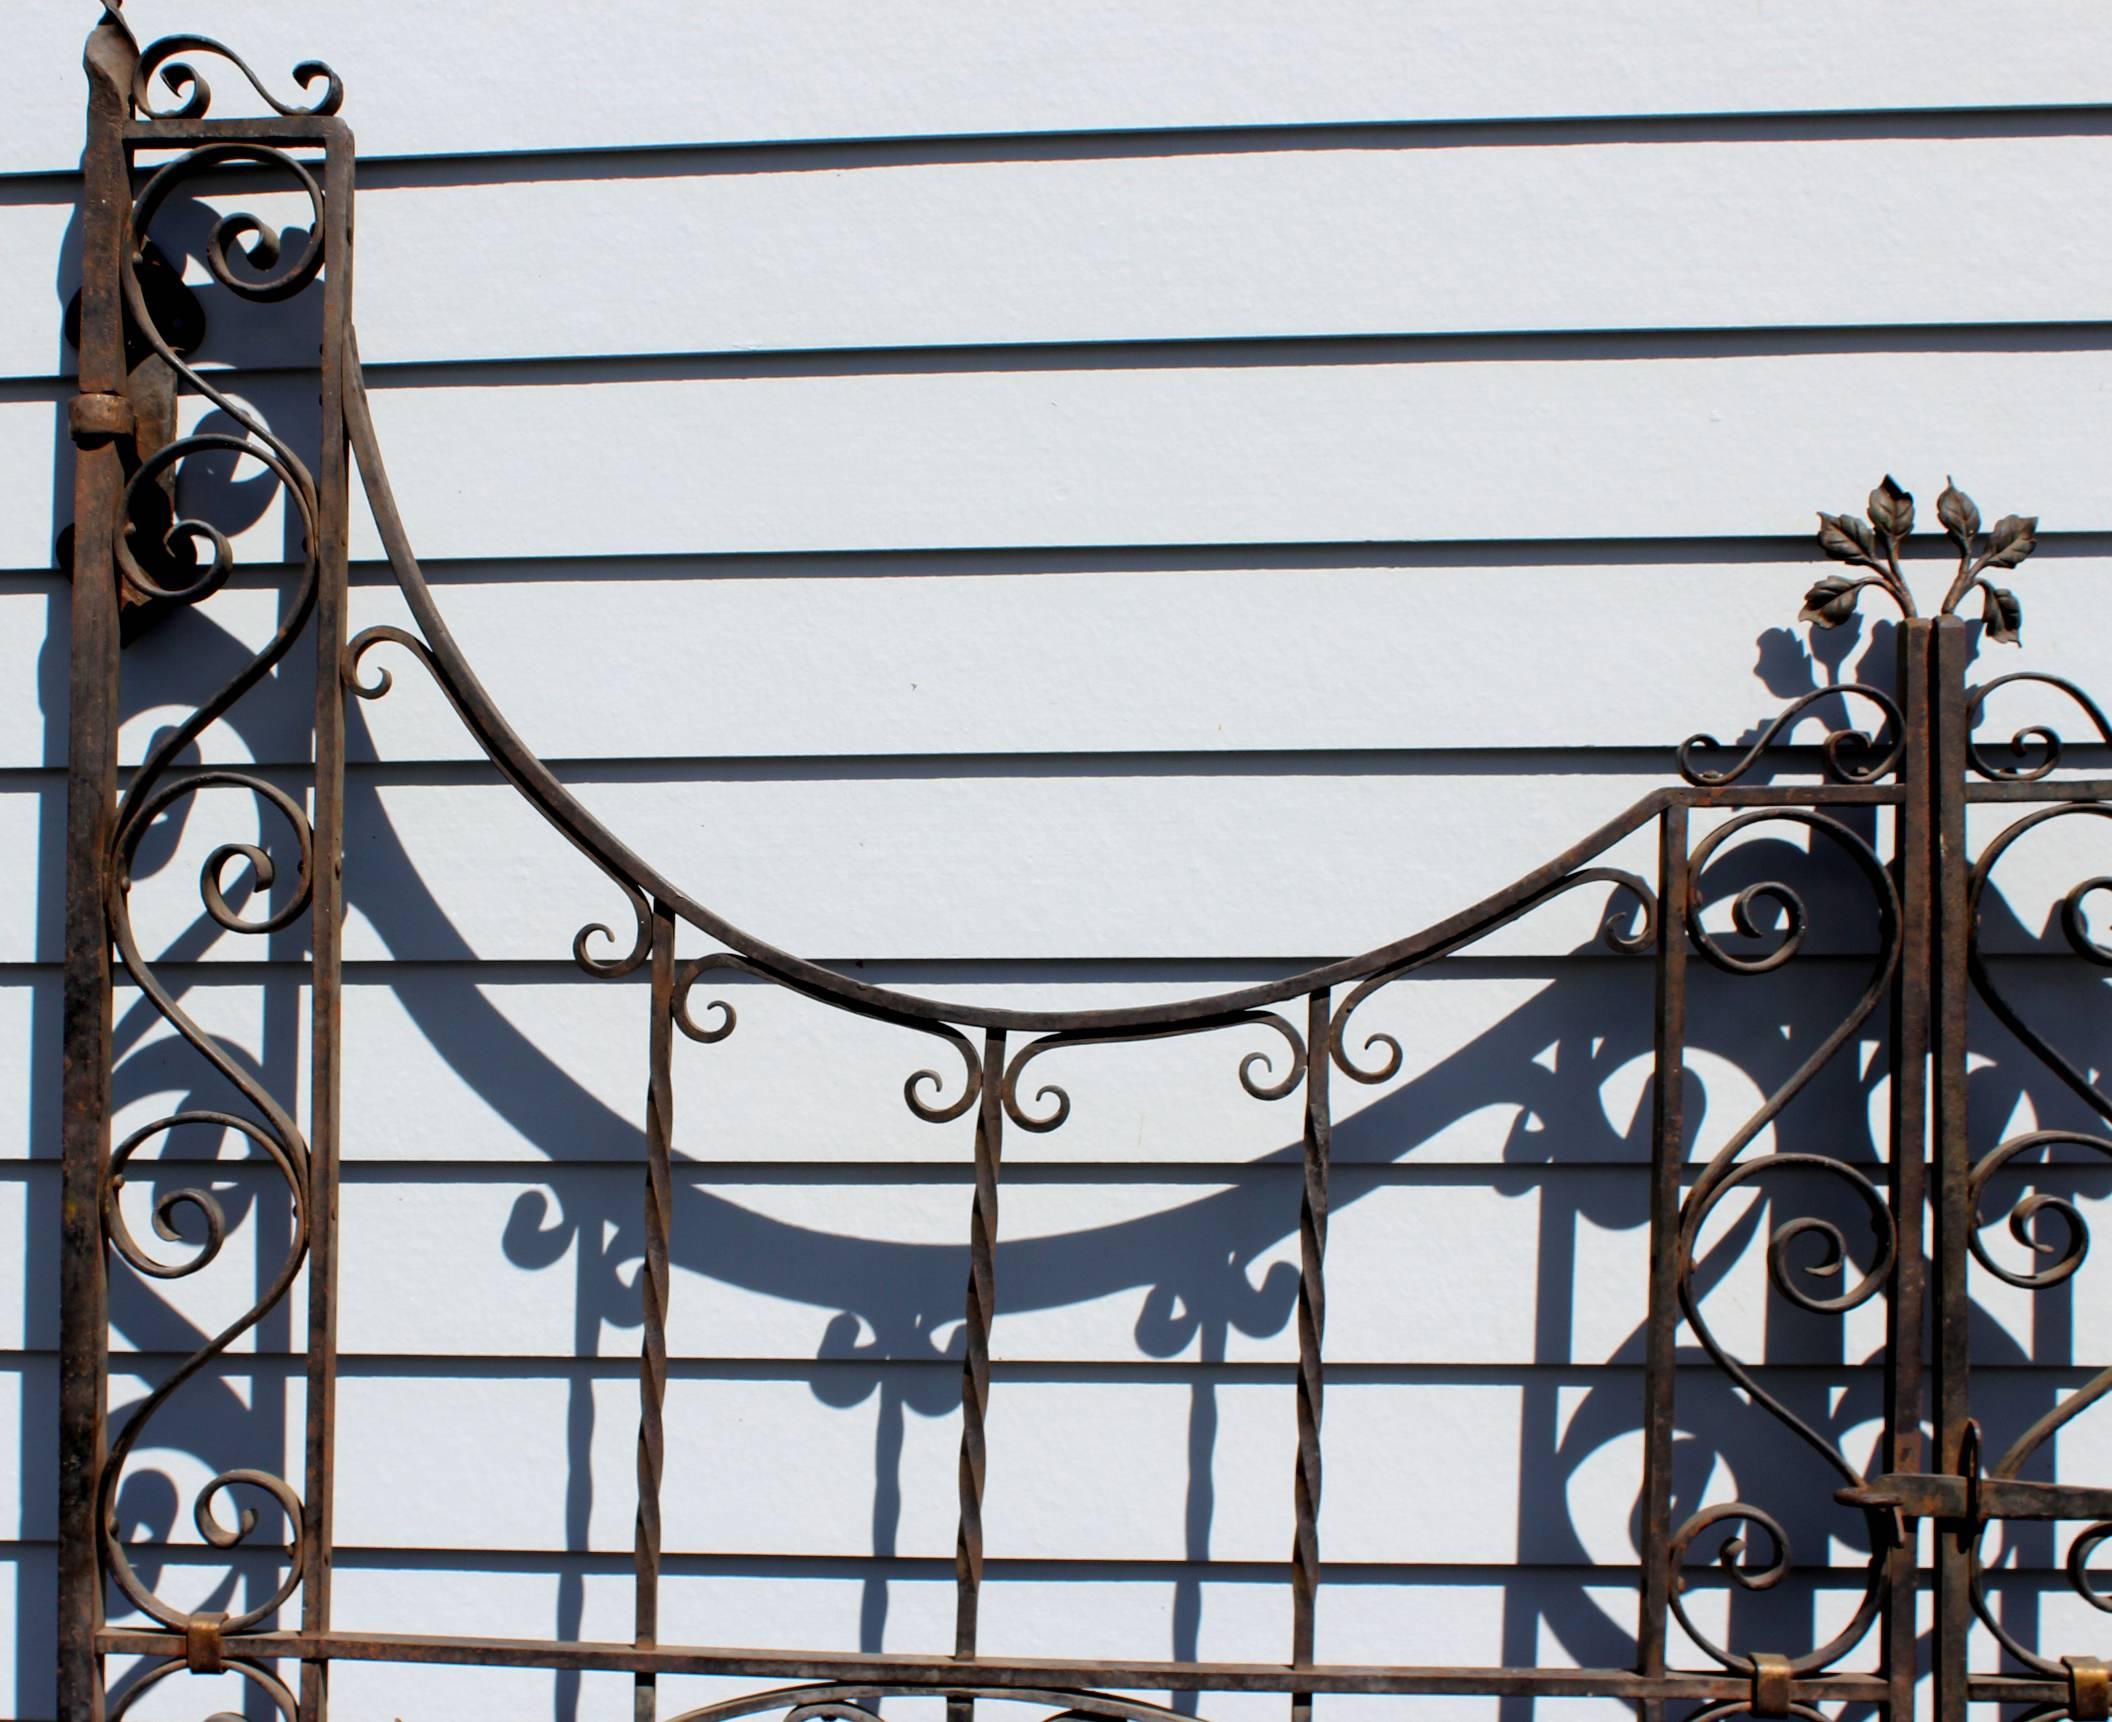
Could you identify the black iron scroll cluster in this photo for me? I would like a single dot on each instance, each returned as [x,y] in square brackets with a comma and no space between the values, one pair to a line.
[1917,1216]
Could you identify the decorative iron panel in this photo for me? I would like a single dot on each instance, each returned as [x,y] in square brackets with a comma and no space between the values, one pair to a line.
[1887,814]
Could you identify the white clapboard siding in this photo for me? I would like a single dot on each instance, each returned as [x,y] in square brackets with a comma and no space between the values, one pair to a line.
[1169,863]
[1205,651]
[1682,440]
[1142,240]
[1544,1064]
[1174,862]
[487,77]
[1098,1275]
[809,1450]
[996,865]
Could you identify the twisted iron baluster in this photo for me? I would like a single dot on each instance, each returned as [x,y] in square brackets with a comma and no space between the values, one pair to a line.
[975,1365]
[1312,1325]
[653,1282]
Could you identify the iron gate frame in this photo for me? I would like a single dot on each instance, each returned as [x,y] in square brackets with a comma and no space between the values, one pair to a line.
[133,558]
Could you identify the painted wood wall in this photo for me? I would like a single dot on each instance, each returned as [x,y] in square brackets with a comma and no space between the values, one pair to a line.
[1086,503]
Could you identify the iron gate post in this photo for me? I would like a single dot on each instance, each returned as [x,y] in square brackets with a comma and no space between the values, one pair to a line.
[1905,1315]
[1948,654]
[101,416]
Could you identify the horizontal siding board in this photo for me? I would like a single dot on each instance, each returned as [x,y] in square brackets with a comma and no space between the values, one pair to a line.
[1335,448]
[837,867]
[1071,1476]
[1337,237]
[1169,864]
[490,1066]
[1165,864]
[799,1448]
[1270,452]
[486,80]
[1247,652]
[860,1274]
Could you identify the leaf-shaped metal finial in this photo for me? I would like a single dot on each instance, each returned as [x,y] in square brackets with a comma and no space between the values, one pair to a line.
[1874,544]
[1892,509]
[1955,509]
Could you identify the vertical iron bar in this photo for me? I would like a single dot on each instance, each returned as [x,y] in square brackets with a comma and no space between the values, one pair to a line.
[1947,660]
[975,1368]
[1312,1329]
[653,1285]
[1668,1134]
[327,917]
[1906,1309]
[91,801]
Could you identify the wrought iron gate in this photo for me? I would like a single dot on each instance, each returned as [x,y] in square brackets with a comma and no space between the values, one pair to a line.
[1890,807]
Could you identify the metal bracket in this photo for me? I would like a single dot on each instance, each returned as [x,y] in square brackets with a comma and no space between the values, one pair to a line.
[2089,1688]
[1771,1672]
[204,1650]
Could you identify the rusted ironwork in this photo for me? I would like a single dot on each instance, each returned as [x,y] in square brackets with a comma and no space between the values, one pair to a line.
[1888,811]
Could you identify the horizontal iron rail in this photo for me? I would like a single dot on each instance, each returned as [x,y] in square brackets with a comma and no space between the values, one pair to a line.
[1031,1672]
[591,1656]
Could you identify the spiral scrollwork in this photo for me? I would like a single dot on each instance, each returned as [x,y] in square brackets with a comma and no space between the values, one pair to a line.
[1255,1068]
[1791,1270]
[1778,894]
[1729,1557]
[276,276]
[173,1202]
[1637,934]
[223,1508]
[1879,754]
[1759,1576]
[627,959]
[843,1701]
[2039,738]
[194,95]
[1784,1271]
[915,1088]
[2067,1255]
[2075,931]
[256,1674]
[919,1081]
[2074,1244]
[686,978]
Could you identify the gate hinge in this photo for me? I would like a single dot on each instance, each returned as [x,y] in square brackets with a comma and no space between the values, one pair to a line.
[2089,1688]
[96,419]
